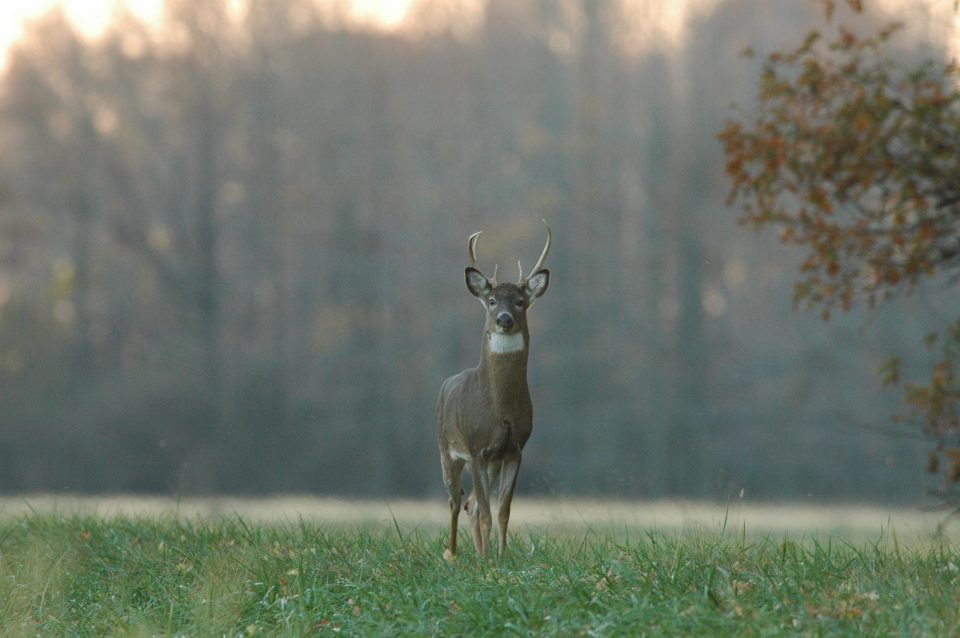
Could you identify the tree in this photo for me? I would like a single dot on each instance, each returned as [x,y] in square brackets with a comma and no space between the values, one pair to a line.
[853,153]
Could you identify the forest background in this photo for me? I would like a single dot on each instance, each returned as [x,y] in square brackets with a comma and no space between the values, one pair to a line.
[232,242]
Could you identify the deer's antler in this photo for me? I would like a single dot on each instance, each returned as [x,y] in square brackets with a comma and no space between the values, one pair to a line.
[543,256]
[472,252]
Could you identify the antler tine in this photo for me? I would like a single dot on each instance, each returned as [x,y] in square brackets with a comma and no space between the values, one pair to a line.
[472,248]
[472,251]
[520,270]
[543,255]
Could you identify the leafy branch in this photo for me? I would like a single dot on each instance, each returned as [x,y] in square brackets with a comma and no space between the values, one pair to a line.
[853,155]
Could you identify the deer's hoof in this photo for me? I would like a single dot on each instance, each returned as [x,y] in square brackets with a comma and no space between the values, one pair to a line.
[449,556]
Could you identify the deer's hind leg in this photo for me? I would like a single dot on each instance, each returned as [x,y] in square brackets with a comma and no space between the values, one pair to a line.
[508,480]
[479,506]
[452,479]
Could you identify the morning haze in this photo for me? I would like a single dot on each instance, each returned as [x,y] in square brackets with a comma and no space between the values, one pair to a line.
[232,256]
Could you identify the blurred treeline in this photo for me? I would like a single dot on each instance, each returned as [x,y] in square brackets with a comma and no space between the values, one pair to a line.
[231,254]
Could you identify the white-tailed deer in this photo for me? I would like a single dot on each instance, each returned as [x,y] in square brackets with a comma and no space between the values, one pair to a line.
[484,414]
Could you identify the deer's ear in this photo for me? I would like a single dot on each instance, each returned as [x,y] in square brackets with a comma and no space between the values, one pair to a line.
[537,285]
[477,283]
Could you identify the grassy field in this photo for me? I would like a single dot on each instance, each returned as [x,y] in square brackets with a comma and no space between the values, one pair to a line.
[120,573]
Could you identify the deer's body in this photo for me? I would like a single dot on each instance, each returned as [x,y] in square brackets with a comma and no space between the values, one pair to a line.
[484,414]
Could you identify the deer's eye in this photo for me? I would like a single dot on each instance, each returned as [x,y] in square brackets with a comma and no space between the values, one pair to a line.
[491,302]
[519,303]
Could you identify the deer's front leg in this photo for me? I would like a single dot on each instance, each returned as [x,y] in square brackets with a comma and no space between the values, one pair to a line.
[508,480]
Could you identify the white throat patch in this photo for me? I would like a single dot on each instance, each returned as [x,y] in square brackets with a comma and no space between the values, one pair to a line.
[503,344]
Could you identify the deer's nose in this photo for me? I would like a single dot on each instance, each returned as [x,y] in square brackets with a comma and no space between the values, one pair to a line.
[504,321]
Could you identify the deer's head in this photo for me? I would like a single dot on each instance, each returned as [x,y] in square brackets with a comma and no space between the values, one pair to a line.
[506,304]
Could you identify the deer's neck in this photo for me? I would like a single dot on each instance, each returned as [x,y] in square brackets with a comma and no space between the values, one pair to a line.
[503,365]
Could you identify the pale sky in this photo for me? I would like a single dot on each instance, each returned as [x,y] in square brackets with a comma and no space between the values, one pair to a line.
[89,15]
[92,16]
